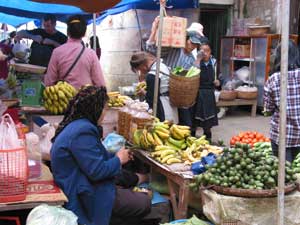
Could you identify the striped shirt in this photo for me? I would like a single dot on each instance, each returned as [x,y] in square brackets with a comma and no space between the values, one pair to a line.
[272,104]
[173,56]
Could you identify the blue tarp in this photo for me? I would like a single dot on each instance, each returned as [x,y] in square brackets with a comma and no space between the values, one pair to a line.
[125,5]
[12,20]
[17,12]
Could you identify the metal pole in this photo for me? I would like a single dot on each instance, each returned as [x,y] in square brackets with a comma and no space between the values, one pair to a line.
[160,27]
[94,31]
[283,93]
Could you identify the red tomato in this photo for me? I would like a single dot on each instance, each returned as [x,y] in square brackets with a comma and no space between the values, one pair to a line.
[232,142]
[237,138]
[261,140]
[267,139]
[254,140]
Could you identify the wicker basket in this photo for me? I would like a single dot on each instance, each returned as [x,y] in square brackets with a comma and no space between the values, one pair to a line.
[183,90]
[247,94]
[227,95]
[252,193]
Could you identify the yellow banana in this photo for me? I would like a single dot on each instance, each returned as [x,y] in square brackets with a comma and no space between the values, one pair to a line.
[150,139]
[173,160]
[136,137]
[55,110]
[183,127]
[165,159]
[174,134]
[161,129]
[162,135]
[167,152]
[157,140]
[61,94]
[60,109]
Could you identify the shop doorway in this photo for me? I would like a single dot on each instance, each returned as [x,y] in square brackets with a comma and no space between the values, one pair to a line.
[216,20]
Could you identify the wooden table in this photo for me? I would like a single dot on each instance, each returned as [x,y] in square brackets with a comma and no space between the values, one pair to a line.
[39,191]
[174,179]
[31,111]
[237,102]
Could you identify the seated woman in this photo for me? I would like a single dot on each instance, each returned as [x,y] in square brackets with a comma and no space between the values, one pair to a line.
[145,64]
[86,172]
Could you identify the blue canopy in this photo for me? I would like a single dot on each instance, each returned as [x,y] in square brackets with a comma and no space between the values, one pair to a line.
[14,21]
[35,10]
[125,5]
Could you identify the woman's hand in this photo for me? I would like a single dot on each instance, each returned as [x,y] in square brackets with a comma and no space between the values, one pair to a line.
[124,155]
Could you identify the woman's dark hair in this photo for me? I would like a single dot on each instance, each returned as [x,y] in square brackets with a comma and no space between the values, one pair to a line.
[293,57]
[76,26]
[88,103]
[138,59]
[92,42]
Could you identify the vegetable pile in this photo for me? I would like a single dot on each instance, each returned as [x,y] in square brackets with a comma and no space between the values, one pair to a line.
[248,137]
[193,71]
[241,167]
[296,164]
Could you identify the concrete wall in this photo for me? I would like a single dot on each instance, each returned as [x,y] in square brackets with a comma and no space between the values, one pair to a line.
[269,11]
[120,36]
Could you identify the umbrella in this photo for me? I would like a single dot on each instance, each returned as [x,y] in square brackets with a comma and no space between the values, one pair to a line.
[91,6]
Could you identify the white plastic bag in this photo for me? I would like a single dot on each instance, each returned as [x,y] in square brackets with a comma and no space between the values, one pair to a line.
[114,142]
[9,138]
[48,132]
[51,215]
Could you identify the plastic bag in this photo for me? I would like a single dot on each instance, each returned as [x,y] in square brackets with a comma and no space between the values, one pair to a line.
[48,132]
[114,142]
[200,166]
[9,138]
[51,215]
[243,73]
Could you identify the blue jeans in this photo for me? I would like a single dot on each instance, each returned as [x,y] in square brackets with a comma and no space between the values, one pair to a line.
[291,152]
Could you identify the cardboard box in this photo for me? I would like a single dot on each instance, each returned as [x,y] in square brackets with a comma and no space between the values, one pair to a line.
[174,32]
[242,51]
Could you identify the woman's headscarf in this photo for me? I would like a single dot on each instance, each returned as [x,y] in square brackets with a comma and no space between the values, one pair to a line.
[88,103]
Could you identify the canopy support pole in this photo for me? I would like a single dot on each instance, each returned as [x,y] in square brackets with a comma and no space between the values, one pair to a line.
[283,94]
[94,31]
[158,54]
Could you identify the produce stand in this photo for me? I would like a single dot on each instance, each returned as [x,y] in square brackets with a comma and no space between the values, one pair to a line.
[220,208]
[175,179]
[42,190]
[238,102]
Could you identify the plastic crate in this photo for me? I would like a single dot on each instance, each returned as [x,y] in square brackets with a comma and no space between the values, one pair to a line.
[13,175]
[32,91]
[16,220]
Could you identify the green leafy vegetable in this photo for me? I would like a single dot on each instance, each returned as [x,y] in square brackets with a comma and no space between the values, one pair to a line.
[177,70]
[192,221]
[193,71]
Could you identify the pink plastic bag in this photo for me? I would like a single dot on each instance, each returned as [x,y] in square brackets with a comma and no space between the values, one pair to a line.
[9,138]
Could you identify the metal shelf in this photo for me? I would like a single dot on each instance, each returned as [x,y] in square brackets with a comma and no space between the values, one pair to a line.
[242,59]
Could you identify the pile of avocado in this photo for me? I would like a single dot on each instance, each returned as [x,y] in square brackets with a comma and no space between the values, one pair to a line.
[243,167]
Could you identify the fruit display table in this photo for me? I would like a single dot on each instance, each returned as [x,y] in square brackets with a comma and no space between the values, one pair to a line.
[175,179]
[237,102]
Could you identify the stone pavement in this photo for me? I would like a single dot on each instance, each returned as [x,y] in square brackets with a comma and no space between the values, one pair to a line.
[236,121]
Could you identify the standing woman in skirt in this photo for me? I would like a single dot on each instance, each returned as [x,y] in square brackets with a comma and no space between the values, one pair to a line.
[205,109]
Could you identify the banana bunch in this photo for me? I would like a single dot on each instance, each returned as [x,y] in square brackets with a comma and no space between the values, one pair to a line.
[57,97]
[140,86]
[161,131]
[180,132]
[166,155]
[117,100]
[198,148]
